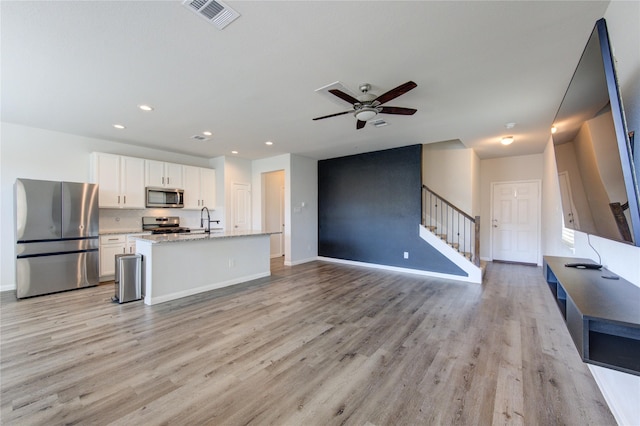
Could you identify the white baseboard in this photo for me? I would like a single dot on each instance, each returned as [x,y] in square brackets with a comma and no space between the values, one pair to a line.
[399,269]
[300,262]
[7,287]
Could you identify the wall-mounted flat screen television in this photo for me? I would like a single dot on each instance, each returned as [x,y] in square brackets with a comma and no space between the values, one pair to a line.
[598,183]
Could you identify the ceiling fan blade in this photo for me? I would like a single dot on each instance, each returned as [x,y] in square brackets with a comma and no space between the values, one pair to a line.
[333,115]
[398,110]
[344,96]
[360,124]
[394,93]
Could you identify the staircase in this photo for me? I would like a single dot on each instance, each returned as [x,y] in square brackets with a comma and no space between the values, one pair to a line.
[455,233]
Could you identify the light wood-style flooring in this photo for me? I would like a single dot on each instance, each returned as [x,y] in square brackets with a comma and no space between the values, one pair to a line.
[314,344]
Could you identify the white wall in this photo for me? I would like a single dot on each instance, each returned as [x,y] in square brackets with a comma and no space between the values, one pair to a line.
[304,204]
[506,169]
[448,170]
[301,186]
[43,154]
[475,184]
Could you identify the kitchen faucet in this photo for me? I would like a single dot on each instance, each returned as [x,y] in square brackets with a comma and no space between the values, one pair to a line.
[207,230]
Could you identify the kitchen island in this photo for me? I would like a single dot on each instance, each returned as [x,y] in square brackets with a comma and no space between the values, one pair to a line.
[180,265]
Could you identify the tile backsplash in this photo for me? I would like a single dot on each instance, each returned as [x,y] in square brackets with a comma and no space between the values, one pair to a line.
[114,220]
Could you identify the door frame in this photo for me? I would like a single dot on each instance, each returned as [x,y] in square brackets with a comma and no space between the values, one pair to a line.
[281,209]
[538,182]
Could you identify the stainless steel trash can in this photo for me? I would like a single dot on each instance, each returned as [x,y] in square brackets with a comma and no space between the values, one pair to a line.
[128,278]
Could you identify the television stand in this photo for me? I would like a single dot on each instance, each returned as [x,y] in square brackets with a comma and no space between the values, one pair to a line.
[601,314]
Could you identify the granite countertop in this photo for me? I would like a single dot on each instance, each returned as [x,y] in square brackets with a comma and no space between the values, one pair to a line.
[123,231]
[198,236]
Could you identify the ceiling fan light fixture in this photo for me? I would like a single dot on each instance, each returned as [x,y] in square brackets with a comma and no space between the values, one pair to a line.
[366,113]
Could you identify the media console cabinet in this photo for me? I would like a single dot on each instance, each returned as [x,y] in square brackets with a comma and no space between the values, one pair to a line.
[602,313]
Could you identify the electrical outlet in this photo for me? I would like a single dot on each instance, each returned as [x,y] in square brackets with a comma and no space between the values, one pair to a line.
[406,254]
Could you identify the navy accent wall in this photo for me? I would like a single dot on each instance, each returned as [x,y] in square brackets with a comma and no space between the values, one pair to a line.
[369,208]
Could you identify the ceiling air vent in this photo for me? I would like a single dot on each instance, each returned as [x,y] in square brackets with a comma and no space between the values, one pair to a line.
[380,123]
[199,138]
[216,12]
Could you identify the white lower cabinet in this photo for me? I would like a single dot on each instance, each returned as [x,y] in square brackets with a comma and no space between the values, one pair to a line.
[110,246]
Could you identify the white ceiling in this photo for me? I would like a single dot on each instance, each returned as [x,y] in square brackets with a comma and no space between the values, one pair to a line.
[81,66]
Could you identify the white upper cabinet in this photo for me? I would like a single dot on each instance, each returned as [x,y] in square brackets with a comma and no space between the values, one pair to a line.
[208,187]
[199,188]
[120,180]
[164,175]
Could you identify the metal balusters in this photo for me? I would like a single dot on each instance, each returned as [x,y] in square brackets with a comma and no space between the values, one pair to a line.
[456,227]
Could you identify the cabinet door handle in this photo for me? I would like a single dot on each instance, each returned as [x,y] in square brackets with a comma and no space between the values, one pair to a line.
[163,180]
[118,199]
[113,239]
[125,199]
[168,181]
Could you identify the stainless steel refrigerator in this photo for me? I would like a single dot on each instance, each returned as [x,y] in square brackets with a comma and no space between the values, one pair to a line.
[56,236]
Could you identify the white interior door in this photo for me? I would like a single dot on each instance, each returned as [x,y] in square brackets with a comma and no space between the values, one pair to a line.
[241,207]
[515,221]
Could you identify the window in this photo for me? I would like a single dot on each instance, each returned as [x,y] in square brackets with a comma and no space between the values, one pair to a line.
[568,236]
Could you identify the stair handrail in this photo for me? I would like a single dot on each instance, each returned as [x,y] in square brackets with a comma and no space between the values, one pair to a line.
[474,239]
[468,216]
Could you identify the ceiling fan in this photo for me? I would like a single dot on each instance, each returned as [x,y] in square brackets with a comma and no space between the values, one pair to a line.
[367,105]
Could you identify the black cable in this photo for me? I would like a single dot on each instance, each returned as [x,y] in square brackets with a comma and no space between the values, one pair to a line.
[599,258]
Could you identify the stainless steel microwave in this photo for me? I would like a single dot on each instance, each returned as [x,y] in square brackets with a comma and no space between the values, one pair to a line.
[164,197]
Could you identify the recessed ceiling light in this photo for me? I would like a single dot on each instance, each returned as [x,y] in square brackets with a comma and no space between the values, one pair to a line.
[510,125]
[145,107]
[207,133]
[554,129]
[234,152]
[268,143]
[119,126]
[507,140]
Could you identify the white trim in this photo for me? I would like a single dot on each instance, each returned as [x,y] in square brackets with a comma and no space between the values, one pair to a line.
[148,300]
[300,262]
[397,269]
[7,287]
